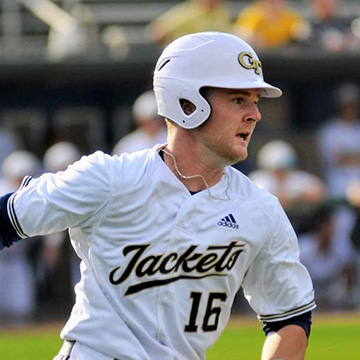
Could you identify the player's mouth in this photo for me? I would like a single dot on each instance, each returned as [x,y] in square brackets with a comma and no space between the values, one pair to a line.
[244,135]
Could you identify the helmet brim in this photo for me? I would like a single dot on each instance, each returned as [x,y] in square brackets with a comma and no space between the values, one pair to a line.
[267,90]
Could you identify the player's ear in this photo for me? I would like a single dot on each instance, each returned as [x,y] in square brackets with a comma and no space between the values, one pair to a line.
[187,106]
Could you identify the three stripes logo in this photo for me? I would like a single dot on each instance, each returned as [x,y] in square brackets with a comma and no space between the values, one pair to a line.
[228,221]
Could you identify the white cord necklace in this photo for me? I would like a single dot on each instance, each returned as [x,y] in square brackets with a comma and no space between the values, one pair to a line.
[188,177]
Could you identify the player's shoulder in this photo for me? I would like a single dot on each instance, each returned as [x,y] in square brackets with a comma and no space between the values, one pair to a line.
[98,159]
[246,189]
[135,159]
[131,169]
[123,168]
[103,159]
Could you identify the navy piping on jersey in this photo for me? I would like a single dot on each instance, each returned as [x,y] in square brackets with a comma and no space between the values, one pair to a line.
[8,234]
[161,153]
[289,314]
[10,229]
[303,320]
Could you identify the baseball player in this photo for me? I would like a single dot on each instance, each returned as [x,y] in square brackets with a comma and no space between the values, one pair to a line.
[150,130]
[168,235]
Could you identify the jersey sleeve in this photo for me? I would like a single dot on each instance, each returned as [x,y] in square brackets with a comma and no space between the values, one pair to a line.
[277,286]
[69,199]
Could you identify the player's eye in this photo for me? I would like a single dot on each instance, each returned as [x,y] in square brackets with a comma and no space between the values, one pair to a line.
[238,100]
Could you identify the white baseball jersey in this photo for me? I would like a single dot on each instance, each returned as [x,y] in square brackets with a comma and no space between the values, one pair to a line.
[160,267]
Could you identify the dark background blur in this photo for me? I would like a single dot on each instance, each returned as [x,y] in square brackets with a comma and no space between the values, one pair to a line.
[84,94]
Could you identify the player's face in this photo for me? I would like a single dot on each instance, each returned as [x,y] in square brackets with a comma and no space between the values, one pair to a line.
[227,133]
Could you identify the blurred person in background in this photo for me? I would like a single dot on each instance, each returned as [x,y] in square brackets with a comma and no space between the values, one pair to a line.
[75,33]
[277,172]
[332,272]
[8,144]
[60,264]
[339,141]
[18,298]
[151,129]
[269,24]
[298,191]
[329,30]
[353,198]
[190,17]
[339,148]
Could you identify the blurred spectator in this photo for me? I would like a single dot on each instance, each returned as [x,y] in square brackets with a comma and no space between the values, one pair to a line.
[267,24]
[59,156]
[8,144]
[116,41]
[74,33]
[339,147]
[151,129]
[299,192]
[329,30]
[277,172]
[60,263]
[339,141]
[17,298]
[332,272]
[353,197]
[190,17]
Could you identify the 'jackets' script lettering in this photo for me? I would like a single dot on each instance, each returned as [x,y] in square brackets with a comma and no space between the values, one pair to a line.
[215,261]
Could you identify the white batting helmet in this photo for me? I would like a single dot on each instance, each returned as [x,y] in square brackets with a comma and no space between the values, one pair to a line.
[276,155]
[60,155]
[19,164]
[145,106]
[207,59]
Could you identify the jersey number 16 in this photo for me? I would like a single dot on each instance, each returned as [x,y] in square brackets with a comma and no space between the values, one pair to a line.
[212,312]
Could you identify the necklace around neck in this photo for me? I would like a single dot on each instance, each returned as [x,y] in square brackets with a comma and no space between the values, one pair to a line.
[188,177]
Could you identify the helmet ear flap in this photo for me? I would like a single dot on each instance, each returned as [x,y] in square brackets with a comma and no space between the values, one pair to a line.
[187,106]
[170,103]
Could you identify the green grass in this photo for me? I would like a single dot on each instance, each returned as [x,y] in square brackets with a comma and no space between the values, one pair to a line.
[238,343]
[29,345]
[332,337]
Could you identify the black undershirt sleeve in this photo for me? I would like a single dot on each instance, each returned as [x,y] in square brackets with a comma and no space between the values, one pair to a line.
[303,320]
[8,234]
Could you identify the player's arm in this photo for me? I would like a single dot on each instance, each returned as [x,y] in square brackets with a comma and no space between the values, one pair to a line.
[283,297]
[287,340]
[289,343]
[52,203]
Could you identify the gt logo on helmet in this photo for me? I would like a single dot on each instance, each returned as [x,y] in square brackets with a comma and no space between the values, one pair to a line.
[247,61]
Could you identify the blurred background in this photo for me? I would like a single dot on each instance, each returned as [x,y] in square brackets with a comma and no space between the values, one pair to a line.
[76,76]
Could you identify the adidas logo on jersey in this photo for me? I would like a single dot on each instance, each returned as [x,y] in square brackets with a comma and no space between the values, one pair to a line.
[228,221]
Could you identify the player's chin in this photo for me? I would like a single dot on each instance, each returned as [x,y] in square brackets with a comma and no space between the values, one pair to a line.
[242,157]
[238,156]
[242,152]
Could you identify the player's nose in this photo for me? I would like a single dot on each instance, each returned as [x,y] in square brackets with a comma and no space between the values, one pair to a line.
[253,113]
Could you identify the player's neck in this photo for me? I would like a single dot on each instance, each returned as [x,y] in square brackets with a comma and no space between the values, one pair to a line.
[189,162]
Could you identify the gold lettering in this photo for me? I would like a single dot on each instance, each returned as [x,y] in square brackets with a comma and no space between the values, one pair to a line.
[247,61]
